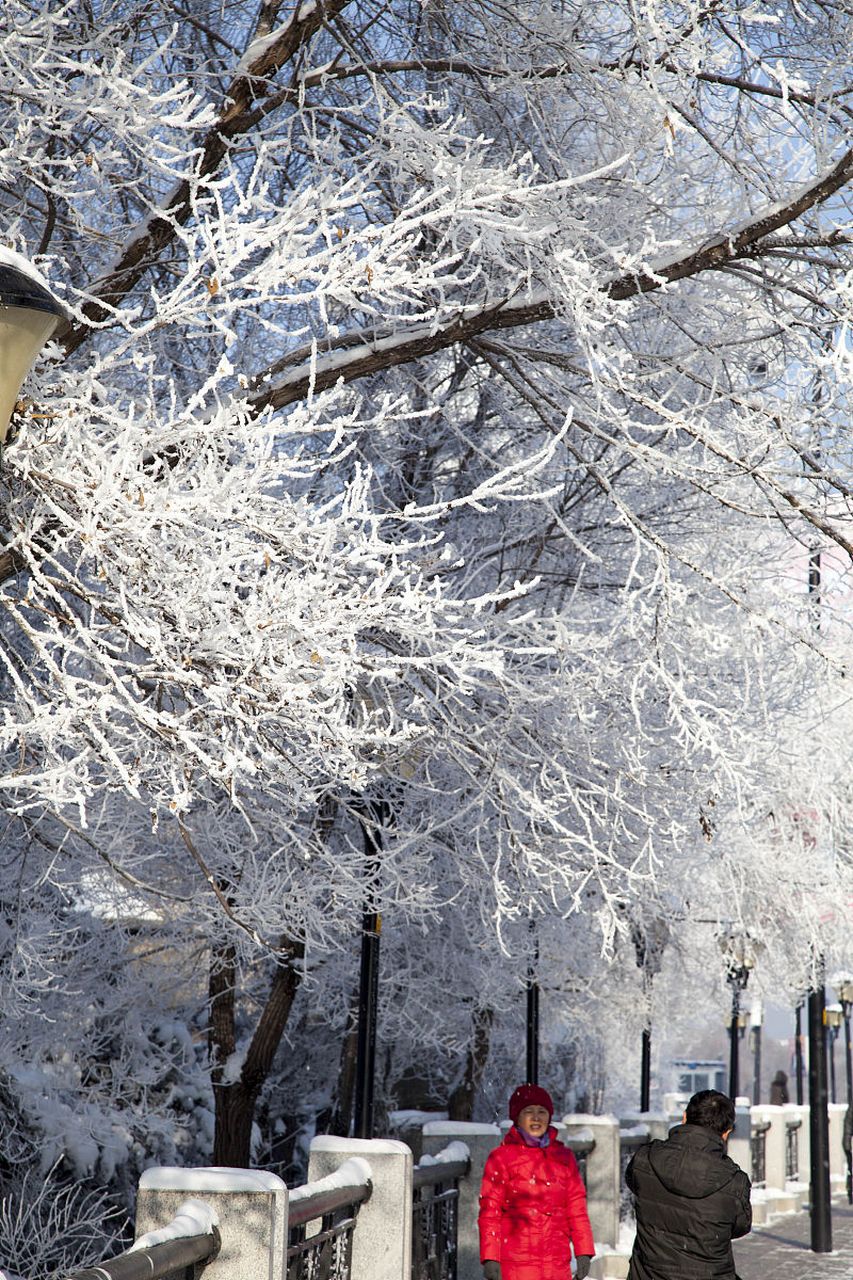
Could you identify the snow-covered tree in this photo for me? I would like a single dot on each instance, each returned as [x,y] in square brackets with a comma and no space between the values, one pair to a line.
[444,389]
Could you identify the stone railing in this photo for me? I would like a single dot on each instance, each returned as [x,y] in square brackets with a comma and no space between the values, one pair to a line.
[368,1213]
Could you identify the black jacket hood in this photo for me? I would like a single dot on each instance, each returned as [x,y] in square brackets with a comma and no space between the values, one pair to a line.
[674,1162]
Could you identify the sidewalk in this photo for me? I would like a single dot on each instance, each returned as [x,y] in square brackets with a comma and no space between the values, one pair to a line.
[781,1250]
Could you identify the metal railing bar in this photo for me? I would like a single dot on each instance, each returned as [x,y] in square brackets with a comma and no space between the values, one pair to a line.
[318,1203]
[428,1175]
[155,1262]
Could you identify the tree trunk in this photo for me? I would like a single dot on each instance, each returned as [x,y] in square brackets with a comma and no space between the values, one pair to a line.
[461,1103]
[234,1101]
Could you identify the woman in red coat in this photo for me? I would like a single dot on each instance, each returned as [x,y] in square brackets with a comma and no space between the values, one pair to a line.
[532,1200]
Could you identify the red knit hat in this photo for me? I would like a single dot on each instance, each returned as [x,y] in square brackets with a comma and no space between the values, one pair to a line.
[529,1095]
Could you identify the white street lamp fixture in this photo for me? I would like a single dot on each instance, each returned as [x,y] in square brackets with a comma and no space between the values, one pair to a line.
[29,313]
[833,1016]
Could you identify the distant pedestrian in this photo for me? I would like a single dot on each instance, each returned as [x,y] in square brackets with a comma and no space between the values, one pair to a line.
[533,1200]
[691,1200]
[779,1090]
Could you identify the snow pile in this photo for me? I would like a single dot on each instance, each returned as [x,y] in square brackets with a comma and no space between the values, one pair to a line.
[440,1128]
[209,1179]
[194,1218]
[453,1152]
[354,1172]
[579,1136]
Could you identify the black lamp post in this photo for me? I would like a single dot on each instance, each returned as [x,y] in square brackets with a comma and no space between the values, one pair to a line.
[29,313]
[821,1204]
[798,1050]
[649,942]
[374,815]
[739,955]
[755,1020]
[532,1076]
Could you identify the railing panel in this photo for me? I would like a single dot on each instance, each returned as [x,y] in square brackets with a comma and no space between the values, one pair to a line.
[792,1150]
[435,1219]
[325,1253]
[758,1153]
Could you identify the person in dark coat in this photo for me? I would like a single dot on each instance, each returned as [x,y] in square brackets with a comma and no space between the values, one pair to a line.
[691,1199]
[533,1200]
[779,1090]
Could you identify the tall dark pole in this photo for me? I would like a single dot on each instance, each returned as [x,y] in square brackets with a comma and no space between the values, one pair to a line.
[848,1058]
[649,940]
[532,1032]
[533,1018]
[734,1042]
[756,1064]
[821,1205]
[646,1069]
[368,988]
[798,1050]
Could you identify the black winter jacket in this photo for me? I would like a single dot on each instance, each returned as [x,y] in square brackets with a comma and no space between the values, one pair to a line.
[691,1201]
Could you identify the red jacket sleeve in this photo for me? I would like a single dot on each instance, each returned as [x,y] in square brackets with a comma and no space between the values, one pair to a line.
[492,1196]
[581,1231]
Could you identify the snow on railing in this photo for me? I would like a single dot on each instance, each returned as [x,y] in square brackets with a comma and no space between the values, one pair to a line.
[190,1239]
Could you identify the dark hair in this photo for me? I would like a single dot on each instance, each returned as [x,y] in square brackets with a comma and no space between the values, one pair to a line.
[712,1110]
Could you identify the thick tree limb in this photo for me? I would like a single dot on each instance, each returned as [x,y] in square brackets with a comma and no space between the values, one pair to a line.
[355,356]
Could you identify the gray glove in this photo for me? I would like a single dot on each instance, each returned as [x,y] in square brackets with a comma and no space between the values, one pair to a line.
[582,1266]
[492,1270]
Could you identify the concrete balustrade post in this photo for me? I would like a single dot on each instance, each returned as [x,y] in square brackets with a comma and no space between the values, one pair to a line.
[795,1112]
[250,1206]
[602,1174]
[837,1158]
[480,1139]
[382,1241]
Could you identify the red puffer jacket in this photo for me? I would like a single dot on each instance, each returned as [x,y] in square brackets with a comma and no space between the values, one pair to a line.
[532,1209]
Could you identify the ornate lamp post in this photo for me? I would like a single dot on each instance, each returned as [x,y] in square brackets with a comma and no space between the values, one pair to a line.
[374,817]
[532,1062]
[29,313]
[755,1021]
[798,1050]
[649,942]
[739,956]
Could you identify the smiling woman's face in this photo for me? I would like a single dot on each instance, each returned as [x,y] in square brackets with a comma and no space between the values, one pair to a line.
[533,1120]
